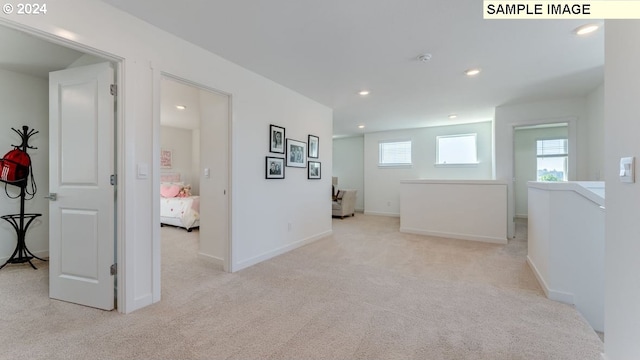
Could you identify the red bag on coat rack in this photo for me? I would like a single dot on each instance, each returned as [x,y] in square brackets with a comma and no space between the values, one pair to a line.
[14,166]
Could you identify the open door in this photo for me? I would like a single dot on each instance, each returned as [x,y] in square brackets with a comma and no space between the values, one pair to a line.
[82,198]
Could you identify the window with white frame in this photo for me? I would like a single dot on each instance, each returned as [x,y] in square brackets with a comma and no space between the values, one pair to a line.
[394,153]
[553,156]
[457,149]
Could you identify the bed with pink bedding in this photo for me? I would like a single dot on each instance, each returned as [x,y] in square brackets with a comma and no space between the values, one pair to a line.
[183,212]
[175,208]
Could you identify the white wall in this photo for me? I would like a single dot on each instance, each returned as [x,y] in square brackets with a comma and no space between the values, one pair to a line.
[257,231]
[180,142]
[24,100]
[86,59]
[566,245]
[526,160]
[348,166]
[382,185]
[455,209]
[263,209]
[595,149]
[622,267]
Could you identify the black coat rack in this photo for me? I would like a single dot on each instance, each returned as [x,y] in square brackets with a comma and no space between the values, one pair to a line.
[21,221]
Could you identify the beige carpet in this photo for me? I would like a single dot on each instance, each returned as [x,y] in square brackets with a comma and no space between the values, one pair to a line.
[367,292]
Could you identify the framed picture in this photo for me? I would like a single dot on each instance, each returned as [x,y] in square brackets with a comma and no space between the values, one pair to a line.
[296,151]
[313,170]
[276,139]
[165,158]
[314,146]
[274,168]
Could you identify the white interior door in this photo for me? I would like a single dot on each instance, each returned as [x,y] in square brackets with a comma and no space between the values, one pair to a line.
[214,180]
[216,227]
[81,162]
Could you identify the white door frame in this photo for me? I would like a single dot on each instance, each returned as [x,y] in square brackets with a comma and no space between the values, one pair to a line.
[158,75]
[119,67]
[573,158]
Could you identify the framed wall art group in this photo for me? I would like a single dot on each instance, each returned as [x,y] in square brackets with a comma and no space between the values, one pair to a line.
[295,154]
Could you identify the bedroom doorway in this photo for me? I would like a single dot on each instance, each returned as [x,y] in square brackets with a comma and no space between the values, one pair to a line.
[194,172]
[26,82]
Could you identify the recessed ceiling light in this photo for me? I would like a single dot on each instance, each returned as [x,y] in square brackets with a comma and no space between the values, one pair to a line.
[364,92]
[65,34]
[586,29]
[360,126]
[181,107]
[453,116]
[472,72]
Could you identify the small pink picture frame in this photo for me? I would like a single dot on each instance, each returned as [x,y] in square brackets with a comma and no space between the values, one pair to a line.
[165,158]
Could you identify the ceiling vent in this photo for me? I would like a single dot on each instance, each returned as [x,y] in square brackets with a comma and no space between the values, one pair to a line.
[424,57]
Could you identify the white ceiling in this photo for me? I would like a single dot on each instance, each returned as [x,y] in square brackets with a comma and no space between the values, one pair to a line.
[175,93]
[328,50]
[26,54]
[29,55]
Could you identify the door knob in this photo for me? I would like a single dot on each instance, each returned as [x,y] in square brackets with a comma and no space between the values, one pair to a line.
[52,196]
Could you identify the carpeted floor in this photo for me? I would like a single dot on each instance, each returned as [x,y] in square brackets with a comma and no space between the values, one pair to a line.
[367,292]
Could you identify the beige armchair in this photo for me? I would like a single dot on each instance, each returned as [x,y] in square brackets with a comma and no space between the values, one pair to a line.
[345,203]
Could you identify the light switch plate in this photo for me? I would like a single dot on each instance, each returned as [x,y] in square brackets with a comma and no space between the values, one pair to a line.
[627,165]
[143,170]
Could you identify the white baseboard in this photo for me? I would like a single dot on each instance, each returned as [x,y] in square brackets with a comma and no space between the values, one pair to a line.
[243,264]
[539,277]
[138,303]
[211,259]
[555,295]
[561,296]
[44,254]
[487,239]
[378,213]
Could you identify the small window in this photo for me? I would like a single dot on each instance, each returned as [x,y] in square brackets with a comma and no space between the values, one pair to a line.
[553,155]
[395,153]
[457,149]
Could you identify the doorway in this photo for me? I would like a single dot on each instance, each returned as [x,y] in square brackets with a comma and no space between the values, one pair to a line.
[195,129]
[541,153]
[25,65]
